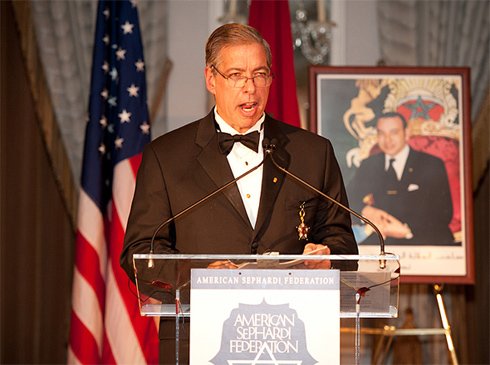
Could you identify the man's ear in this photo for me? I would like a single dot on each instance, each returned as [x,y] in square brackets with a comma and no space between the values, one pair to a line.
[210,79]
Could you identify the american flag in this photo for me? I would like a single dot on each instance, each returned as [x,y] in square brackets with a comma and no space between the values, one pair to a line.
[106,327]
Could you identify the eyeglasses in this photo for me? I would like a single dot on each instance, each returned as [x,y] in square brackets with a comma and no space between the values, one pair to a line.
[237,80]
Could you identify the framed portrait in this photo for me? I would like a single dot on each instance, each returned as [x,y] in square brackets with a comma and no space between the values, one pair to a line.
[402,139]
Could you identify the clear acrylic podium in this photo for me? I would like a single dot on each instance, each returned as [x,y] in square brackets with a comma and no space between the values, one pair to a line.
[369,285]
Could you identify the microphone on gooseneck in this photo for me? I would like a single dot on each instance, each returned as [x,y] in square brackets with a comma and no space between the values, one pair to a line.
[196,204]
[270,147]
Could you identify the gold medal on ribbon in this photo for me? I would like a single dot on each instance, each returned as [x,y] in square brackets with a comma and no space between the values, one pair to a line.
[302,228]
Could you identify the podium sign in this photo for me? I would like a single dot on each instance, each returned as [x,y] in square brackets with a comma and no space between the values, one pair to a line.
[263,284]
[265,316]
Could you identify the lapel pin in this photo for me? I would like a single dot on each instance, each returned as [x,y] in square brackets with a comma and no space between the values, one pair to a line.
[274,180]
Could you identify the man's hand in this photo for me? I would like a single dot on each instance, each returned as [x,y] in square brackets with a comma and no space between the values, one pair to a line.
[315,249]
[226,264]
[388,225]
[395,229]
[376,215]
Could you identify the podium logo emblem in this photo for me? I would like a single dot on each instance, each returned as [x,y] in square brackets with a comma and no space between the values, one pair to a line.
[263,334]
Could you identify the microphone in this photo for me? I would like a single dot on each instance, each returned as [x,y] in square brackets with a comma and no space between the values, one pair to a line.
[270,147]
[196,204]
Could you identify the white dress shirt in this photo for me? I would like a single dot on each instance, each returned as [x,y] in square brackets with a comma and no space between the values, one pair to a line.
[399,163]
[242,159]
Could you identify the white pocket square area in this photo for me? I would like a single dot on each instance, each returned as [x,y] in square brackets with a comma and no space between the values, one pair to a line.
[413,187]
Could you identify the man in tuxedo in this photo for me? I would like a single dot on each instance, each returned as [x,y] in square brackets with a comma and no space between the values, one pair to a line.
[403,191]
[261,212]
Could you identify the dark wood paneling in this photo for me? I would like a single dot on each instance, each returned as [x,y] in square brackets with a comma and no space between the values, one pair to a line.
[36,232]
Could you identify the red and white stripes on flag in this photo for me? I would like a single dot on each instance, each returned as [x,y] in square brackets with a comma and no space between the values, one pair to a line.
[106,325]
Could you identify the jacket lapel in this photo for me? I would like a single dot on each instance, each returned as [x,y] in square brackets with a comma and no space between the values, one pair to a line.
[216,165]
[409,167]
[272,178]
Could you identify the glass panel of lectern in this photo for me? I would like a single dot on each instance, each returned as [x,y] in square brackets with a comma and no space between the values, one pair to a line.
[369,285]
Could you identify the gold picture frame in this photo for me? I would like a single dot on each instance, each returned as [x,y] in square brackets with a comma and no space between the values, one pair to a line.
[345,103]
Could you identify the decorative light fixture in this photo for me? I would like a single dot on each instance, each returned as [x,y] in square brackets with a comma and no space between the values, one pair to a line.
[234,12]
[311,37]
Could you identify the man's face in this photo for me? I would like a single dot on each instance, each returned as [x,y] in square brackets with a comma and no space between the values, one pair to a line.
[239,107]
[392,137]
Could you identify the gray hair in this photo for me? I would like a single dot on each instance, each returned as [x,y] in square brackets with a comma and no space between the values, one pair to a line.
[234,34]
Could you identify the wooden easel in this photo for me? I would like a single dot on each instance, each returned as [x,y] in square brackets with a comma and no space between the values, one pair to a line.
[389,332]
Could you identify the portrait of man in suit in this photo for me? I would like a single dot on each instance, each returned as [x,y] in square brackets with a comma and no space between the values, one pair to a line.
[403,191]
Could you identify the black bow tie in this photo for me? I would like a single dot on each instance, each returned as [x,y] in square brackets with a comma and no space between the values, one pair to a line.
[226,141]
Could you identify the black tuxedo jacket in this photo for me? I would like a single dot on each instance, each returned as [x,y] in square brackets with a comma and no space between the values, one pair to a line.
[181,167]
[421,198]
